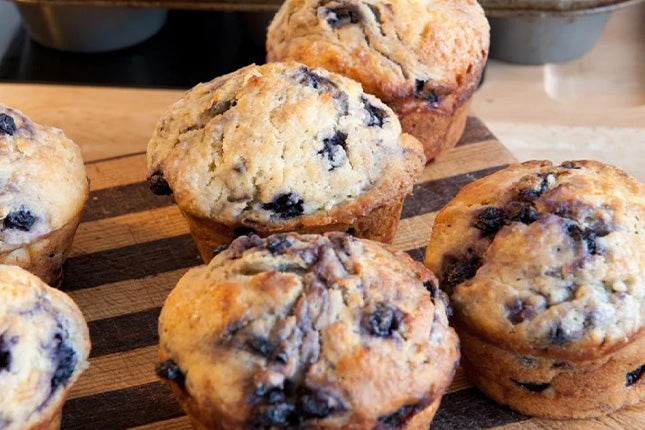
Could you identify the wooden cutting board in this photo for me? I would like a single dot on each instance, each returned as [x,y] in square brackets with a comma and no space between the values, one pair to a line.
[133,246]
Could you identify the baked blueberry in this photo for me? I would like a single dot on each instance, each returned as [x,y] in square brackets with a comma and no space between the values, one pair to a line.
[490,220]
[158,184]
[287,205]
[20,219]
[426,94]
[456,270]
[316,405]
[278,244]
[523,212]
[65,358]
[586,236]
[170,371]
[312,79]
[280,415]
[383,321]
[343,15]
[261,346]
[634,376]
[535,387]
[5,355]
[376,115]
[7,124]
[399,418]
[334,148]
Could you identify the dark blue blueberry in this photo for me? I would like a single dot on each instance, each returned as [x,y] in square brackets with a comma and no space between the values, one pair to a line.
[315,81]
[535,387]
[490,220]
[383,321]
[279,415]
[314,405]
[570,165]
[334,148]
[586,236]
[376,114]
[220,249]
[158,184]
[522,212]
[557,335]
[66,359]
[169,371]
[261,346]
[634,376]
[532,194]
[5,355]
[399,418]
[517,311]
[277,244]
[427,94]
[288,205]
[221,107]
[343,15]
[456,270]
[20,219]
[7,124]
[430,286]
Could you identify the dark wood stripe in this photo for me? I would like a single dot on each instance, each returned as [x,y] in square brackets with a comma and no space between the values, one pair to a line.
[475,132]
[130,262]
[469,409]
[116,157]
[124,332]
[121,200]
[418,254]
[433,195]
[122,409]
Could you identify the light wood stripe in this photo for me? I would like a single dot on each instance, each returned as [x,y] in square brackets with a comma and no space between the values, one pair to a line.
[120,171]
[121,298]
[414,232]
[465,159]
[127,230]
[117,372]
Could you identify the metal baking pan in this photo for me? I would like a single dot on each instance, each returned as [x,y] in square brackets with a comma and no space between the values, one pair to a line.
[89,28]
[530,33]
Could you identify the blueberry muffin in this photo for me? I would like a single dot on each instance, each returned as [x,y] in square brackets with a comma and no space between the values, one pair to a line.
[282,147]
[44,345]
[545,268]
[43,188]
[307,331]
[424,58]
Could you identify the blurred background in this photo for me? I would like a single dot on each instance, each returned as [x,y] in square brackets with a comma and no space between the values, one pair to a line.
[565,79]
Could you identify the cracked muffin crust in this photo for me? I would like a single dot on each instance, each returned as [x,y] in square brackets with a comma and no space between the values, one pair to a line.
[307,331]
[43,188]
[545,266]
[283,147]
[44,346]
[424,58]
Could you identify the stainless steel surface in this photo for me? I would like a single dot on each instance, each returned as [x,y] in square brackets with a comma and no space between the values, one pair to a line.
[539,37]
[90,29]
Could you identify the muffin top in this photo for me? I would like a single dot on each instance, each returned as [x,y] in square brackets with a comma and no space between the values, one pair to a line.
[546,259]
[398,49]
[42,179]
[269,143]
[308,330]
[44,345]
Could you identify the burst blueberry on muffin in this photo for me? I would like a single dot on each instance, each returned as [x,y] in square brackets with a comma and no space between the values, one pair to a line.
[307,331]
[44,345]
[545,267]
[424,58]
[282,147]
[43,188]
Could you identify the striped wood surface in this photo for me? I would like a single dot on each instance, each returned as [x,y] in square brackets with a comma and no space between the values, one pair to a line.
[131,249]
